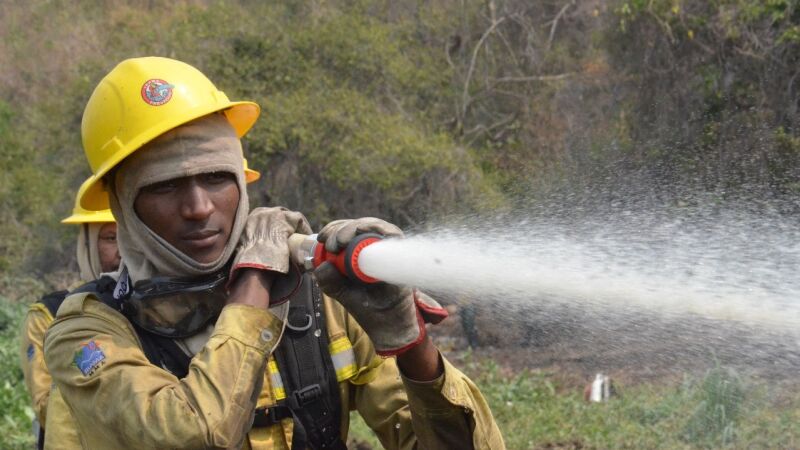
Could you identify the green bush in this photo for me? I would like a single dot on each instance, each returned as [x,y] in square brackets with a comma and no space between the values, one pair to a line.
[719,400]
[15,403]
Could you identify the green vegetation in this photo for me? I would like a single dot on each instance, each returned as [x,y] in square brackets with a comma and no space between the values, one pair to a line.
[715,411]
[534,410]
[16,421]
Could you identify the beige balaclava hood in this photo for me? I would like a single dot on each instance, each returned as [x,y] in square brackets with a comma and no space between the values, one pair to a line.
[88,253]
[205,145]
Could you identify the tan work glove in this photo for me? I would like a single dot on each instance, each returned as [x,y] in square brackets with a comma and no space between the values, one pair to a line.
[264,245]
[392,316]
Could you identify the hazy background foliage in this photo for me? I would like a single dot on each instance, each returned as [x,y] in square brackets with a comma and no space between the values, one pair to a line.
[413,110]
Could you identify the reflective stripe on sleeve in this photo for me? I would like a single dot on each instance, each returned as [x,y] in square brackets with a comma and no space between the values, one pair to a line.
[344,360]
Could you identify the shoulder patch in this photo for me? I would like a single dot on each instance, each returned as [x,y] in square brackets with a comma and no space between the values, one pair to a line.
[89,358]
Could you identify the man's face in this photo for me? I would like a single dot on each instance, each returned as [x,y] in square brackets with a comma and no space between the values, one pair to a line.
[107,247]
[194,214]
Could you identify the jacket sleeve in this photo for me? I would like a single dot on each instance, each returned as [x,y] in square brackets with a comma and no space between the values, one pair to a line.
[31,356]
[61,432]
[447,413]
[95,359]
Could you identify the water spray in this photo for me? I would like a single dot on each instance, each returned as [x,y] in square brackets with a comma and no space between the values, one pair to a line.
[671,285]
[309,253]
[732,267]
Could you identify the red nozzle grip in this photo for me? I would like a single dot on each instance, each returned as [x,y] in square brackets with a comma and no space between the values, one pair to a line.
[346,261]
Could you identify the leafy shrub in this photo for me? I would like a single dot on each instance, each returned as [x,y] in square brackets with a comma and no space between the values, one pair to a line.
[17,414]
[719,400]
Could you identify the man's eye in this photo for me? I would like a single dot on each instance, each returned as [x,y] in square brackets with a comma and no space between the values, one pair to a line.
[163,187]
[218,177]
[109,238]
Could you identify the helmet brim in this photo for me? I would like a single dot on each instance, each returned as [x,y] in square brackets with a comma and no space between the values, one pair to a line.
[81,217]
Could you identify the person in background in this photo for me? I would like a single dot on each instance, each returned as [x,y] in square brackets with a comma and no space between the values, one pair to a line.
[97,252]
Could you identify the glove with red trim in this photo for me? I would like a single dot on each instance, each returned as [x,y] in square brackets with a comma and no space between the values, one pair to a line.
[264,245]
[393,316]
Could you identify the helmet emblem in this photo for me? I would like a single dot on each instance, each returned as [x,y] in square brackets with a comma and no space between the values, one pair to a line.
[156,92]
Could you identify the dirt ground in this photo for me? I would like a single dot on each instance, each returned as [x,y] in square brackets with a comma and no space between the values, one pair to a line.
[631,348]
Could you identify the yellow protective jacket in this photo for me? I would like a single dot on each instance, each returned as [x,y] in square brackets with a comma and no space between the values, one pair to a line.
[118,399]
[45,397]
[31,356]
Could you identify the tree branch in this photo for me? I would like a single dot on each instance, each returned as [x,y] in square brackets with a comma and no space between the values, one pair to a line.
[555,23]
[527,79]
[465,93]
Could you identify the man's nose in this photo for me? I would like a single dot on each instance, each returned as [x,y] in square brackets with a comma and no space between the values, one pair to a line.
[197,204]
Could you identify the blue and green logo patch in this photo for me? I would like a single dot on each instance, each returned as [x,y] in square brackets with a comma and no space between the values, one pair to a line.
[31,352]
[89,357]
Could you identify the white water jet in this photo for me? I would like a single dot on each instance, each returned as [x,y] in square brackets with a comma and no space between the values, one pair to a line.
[733,266]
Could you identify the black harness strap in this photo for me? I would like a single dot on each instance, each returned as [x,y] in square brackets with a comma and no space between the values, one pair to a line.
[273,415]
[103,287]
[308,374]
[163,352]
[53,300]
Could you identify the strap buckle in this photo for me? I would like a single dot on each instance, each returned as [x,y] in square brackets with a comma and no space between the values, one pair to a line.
[300,328]
[304,396]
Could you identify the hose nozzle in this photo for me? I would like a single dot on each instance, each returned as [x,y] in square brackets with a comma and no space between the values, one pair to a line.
[309,254]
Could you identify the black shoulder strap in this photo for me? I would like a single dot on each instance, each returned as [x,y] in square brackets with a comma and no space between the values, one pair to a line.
[53,300]
[101,286]
[163,352]
[308,373]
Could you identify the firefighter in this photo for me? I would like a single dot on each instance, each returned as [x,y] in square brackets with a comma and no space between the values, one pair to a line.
[63,432]
[96,253]
[207,336]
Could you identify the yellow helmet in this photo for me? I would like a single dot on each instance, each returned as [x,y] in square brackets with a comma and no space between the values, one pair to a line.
[81,215]
[250,175]
[139,100]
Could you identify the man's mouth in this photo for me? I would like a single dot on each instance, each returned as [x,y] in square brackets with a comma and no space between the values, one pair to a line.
[201,238]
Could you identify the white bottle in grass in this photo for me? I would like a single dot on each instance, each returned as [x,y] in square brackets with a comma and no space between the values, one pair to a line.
[599,390]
